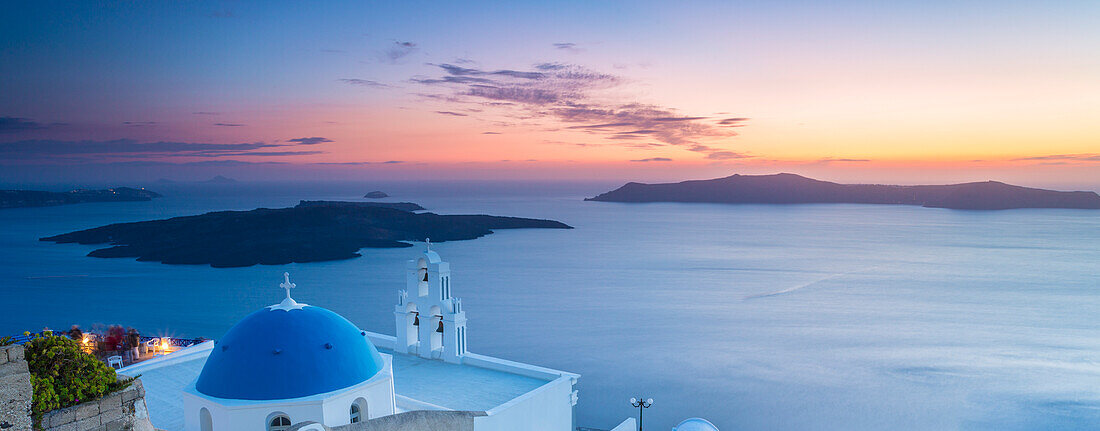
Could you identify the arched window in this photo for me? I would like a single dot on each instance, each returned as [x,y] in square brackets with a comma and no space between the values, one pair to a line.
[205,422]
[359,411]
[422,277]
[354,413]
[279,422]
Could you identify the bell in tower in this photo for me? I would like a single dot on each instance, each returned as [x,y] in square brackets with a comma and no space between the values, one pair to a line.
[428,291]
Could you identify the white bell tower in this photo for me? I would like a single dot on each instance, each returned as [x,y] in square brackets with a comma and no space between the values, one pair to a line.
[430,322]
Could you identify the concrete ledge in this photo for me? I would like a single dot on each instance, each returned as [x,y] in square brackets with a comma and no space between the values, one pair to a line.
[514,367]
[419,420]
[488,362]
[182,355]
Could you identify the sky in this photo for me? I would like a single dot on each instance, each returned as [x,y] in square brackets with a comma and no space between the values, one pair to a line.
[902,92]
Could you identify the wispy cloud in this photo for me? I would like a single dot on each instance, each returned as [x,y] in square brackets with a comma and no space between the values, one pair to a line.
[224,13]
[397,51]
[654,159]
[567,46]
[309,141]
[490,133]
[733,122]
[456,114]
[122,149]
[229,124]
[363,82]
[574,96]
[139,123]
[205,113]
[263,153]
[387,162]
[1083,157]
[17,124]
[726,155]
[841,160]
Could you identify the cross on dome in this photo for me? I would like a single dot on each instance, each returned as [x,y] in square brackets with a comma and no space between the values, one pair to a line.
[288,303]
[286,284]
[428,242]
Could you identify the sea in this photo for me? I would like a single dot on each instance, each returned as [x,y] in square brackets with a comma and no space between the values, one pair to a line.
[755,317]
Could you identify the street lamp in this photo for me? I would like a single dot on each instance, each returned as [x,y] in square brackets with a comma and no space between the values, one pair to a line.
[641,405]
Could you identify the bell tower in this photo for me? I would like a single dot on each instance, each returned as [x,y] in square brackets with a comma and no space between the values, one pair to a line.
[430,322]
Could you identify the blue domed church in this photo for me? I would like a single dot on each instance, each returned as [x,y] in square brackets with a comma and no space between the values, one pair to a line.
[298,367]
[289,363]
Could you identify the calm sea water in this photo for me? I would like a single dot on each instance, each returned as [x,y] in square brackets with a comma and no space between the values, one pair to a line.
[753,316]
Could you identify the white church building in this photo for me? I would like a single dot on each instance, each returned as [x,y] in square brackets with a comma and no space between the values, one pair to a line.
[300,367]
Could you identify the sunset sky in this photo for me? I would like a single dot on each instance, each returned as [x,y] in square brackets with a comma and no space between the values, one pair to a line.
[910,92]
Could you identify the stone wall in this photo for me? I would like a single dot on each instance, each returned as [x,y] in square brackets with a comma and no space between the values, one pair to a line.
[15,390]
[117,411]
[122,410]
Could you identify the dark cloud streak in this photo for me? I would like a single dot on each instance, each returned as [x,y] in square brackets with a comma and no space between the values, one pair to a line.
[363,82]
[309,141]
[17,124]
[88,150]
[568,94]
[1086,157]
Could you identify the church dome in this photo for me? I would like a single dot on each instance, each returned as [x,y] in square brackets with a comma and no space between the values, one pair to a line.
[285,352]
[695,424]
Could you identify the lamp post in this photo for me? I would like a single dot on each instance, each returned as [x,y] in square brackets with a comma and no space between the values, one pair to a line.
[641,405]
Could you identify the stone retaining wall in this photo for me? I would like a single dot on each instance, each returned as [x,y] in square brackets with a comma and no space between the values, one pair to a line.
[118,411]
[15,390]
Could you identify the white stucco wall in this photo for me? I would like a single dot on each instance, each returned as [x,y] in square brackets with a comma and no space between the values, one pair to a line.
[548,408]
[332,409]
[627,425]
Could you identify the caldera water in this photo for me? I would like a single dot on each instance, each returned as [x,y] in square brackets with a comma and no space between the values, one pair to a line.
[756,317]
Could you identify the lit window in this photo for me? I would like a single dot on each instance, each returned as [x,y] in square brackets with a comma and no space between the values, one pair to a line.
[279,423]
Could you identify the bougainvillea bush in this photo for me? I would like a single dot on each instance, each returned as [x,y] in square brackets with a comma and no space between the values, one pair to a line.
[63,375]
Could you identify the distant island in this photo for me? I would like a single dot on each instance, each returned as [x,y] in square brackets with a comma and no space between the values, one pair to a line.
[309,232]
[403,206]
[36,198]
[218,179]
[377,194]
[796,189]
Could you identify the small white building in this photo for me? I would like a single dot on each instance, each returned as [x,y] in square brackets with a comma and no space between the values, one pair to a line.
[291,363]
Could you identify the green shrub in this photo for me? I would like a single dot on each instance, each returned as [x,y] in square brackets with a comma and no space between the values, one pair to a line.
[63,375]
[5,341]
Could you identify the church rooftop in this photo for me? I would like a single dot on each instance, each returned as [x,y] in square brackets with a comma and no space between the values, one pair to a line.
[419,384]
[454,386]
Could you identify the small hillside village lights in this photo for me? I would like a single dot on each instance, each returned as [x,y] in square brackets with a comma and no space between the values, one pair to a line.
[641,405]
